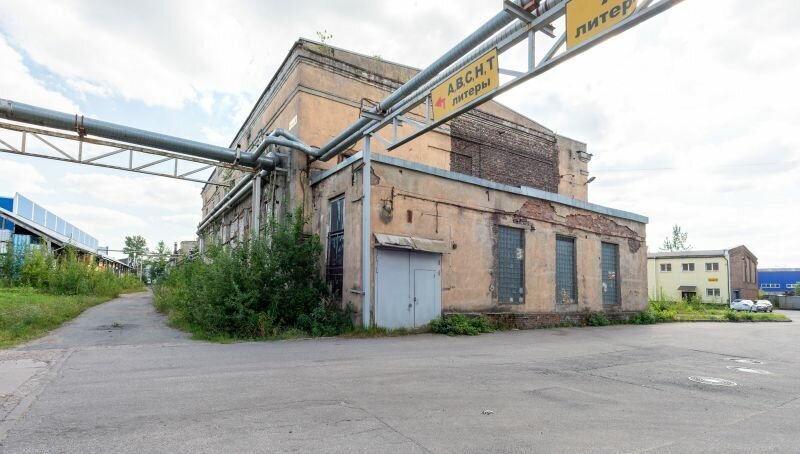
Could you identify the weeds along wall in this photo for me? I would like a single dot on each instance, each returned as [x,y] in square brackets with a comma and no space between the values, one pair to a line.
[261,287]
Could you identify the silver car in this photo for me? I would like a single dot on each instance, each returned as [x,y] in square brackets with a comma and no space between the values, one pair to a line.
[763,306]
[743,305]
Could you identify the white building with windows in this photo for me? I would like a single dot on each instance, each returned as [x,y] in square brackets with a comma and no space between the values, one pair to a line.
[715,276]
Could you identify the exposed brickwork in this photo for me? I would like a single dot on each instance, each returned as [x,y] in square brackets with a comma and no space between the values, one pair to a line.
[546,319]
[538,209]
[599,224]
[488,147]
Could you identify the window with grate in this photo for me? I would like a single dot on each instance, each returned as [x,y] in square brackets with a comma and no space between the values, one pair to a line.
[566,287]
[510,265]
[334,266]
[610,270]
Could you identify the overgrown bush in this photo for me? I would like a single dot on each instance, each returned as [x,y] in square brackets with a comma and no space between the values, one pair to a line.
[644,318]
[260,288]
[66,274]
[598,319]
[458,324]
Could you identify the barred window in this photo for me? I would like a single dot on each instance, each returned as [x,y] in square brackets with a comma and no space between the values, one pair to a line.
[610,270]
[510,265]
[566,285]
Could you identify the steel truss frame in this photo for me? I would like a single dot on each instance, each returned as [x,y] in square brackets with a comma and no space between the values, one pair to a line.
[557,54]
[115,150]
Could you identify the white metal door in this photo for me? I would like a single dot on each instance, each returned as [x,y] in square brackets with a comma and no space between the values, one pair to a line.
[427,288]
[407,288]
[393,307]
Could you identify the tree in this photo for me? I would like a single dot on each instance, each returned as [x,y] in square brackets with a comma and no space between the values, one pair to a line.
[678,242]
[159,262]
[135,248]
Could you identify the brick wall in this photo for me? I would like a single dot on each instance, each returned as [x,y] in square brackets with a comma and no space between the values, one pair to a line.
[489,147]
[508,320]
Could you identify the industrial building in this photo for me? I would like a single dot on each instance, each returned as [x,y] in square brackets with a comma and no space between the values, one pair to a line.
[714,276]
[487,214]
[25,224]
[778,281]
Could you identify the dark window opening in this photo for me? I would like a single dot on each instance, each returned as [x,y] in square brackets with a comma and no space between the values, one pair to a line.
[334,267]
[566,286]
[510,266]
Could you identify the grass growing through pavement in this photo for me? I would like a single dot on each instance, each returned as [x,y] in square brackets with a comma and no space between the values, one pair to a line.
[26,314]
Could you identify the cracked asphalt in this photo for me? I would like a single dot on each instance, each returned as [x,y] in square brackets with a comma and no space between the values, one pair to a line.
[117,379]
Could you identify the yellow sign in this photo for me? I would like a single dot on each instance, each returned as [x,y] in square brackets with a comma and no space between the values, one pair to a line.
[480,77]
[587,18]
[713,279]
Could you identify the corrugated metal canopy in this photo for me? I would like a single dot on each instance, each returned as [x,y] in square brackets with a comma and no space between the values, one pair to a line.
[412,243]
[687,288]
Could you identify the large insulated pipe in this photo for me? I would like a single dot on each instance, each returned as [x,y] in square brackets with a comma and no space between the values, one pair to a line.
[352,134]
[25,113]
[229,195]
[230,199]
[284,138]
[359,127]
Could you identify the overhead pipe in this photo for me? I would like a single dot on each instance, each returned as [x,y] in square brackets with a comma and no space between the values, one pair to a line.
[17,111]
[282,137]
[365,124]
[353,133]
[234,195]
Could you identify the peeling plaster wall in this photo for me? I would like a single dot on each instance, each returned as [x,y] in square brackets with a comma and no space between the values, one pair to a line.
[466,217]
[348,182]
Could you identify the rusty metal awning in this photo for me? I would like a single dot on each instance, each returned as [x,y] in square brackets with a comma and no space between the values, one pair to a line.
[412,243]
[687,288]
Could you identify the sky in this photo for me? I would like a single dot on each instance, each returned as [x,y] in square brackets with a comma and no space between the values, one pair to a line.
[690,116]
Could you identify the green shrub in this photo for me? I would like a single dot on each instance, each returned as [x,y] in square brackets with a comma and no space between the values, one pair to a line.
[36,267]
[732,316]
[644,318]
[66,274]
[457,324]
[598,319]
[261,288]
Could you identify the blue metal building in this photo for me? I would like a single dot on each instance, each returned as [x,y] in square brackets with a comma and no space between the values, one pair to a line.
[25,224]
[778,281]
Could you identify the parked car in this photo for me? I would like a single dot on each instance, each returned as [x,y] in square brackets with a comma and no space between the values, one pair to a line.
[763,306]
[743,305]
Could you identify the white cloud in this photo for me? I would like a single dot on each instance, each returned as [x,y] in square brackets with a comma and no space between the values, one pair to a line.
[182,219]
[136,191]
[19,177]
[16,82]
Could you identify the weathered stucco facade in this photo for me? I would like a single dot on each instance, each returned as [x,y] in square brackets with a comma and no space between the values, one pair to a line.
[453,190]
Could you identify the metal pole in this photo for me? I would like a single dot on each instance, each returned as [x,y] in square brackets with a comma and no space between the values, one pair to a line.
[256,205]
[366,251]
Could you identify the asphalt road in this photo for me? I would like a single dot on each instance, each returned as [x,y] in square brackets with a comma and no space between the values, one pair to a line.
[118,380]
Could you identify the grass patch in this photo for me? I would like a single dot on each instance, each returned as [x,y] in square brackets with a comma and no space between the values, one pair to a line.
[26,313]
[693,311]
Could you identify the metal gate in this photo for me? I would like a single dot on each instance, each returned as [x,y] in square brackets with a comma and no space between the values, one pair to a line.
[408,288]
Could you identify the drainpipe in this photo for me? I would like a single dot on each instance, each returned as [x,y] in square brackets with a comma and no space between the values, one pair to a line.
[255,227]
[366,234]
[728,266]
